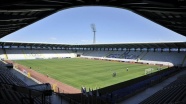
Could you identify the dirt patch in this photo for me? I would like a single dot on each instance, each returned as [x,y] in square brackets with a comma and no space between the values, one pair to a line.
[57,85]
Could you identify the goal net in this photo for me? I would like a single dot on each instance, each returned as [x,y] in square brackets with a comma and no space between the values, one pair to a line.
[149,71]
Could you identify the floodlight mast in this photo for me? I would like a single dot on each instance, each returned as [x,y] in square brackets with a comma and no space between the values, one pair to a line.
[94,31]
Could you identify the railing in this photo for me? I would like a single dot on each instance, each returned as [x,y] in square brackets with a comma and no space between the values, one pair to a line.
[23,94]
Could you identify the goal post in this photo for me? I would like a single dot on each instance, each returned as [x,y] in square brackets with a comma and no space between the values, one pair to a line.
[149,71]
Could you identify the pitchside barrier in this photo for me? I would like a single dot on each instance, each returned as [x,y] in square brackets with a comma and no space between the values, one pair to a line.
[129,88]
[118,92]
[82,99]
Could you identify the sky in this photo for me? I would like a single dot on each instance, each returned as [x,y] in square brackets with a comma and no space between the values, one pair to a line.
[113,25]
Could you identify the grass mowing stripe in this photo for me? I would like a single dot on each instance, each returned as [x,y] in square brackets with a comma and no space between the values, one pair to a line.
[90,73]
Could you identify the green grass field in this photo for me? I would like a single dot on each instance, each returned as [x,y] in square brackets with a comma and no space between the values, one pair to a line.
[79,72]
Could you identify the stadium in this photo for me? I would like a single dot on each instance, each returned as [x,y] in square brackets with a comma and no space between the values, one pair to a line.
[125,73]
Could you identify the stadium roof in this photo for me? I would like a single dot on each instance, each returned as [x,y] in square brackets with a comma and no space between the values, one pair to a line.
[16,14]
[119,45]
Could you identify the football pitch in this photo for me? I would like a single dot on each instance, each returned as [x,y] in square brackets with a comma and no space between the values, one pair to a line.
[79,72]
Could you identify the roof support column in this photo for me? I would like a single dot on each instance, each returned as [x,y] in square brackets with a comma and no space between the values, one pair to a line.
[129,49]
[178,50]
[161,49]
[169,50]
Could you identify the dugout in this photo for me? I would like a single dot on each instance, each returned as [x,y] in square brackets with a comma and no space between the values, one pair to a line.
[9,65]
